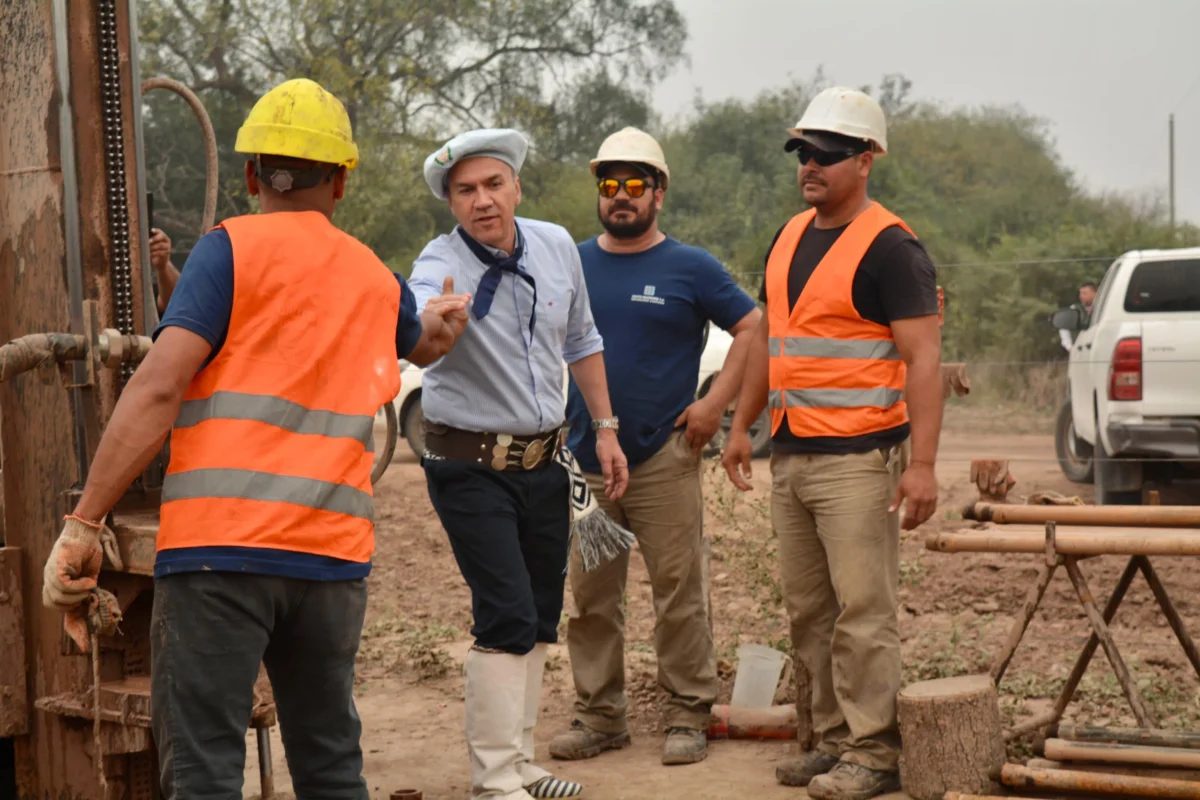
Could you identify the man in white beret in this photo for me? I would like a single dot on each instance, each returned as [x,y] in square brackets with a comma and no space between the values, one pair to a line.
[494,407]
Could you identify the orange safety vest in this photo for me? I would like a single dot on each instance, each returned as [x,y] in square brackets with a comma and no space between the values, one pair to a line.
[274,441]
[832,373]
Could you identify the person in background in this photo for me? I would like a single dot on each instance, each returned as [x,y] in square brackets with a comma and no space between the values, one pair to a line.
[653,298]
[1087,296]
[494,410]
[165,275]
[849,346]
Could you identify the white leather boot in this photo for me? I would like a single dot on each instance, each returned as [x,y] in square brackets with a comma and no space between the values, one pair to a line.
[537,781]
[495,716]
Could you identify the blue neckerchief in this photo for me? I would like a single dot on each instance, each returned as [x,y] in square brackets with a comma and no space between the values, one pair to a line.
[497,266]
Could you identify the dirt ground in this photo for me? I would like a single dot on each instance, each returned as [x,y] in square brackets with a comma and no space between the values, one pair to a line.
[955,611]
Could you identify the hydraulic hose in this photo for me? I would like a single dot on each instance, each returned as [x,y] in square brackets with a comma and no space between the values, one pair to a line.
[210,144]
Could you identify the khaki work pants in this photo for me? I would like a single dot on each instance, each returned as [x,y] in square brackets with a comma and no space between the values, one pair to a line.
[840,563]
[664,508]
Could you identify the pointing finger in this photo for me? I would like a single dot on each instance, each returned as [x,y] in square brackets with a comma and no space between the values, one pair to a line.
[448,285]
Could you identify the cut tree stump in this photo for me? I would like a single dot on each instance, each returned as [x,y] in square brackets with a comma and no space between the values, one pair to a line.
[951,734]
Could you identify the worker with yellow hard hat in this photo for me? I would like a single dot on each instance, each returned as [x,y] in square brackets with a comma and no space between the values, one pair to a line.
[279,345]
[848,356]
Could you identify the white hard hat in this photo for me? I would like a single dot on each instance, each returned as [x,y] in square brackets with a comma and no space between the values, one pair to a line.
[632,146]
[847,112]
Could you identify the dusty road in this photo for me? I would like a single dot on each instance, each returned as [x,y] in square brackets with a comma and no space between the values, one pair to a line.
[955,611]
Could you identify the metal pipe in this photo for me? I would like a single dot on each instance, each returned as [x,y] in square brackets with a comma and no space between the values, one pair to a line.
[1189,740]
[71,226]
[1128,542]
[1057,780]
[1062,750]
[30,352]
[149,304]
[266,777]
[1108,516]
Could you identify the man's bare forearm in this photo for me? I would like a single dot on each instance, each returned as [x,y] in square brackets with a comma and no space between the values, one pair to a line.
[725,386]
[753,396]
[924,396]
[436,340]
[167,278]
[140,423]
[593,385]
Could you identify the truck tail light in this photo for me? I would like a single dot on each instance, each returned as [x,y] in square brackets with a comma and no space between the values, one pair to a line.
[1125,373]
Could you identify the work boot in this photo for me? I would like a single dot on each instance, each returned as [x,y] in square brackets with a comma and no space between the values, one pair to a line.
[495,715]
[584,742]
[537,781]
[809,765]
[850,781]
[685,746]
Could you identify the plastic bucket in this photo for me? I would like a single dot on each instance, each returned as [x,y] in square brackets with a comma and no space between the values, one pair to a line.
[759,668]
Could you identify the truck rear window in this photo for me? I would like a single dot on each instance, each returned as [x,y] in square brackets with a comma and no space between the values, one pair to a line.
[1158,286]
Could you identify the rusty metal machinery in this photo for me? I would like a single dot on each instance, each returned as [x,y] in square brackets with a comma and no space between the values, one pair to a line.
[76,305]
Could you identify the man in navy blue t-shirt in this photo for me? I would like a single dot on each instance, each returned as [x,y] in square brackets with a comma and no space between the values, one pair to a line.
[652,298]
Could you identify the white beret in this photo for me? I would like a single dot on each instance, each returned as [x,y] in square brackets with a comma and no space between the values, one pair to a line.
[504,144]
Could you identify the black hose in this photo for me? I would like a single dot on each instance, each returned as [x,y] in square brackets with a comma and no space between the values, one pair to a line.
[389,447]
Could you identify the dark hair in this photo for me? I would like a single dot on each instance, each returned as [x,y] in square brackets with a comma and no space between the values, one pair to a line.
[1087,285]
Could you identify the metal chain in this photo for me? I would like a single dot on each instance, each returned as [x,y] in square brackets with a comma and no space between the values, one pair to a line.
[114,163]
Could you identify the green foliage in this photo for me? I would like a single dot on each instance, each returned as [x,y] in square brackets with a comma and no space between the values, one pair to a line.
[983,188]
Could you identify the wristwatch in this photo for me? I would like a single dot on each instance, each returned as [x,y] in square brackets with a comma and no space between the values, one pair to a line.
[610,422]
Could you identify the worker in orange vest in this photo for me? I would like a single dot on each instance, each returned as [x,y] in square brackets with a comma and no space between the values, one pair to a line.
[278,347]
[850,332]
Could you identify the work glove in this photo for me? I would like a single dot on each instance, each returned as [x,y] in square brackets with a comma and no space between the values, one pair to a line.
[69,580]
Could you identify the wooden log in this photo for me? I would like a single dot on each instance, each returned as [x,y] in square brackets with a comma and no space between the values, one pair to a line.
[1108,516]
[1128,542]
[1135,770]
[950,729]
[1093,784]
[961,796]
[1062,750]
[1072,732]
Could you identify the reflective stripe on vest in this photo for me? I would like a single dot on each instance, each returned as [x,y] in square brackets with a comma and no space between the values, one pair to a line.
[279,412]
[273,445]
[832,373]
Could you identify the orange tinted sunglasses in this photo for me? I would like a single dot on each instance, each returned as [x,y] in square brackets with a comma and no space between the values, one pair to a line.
[634,187]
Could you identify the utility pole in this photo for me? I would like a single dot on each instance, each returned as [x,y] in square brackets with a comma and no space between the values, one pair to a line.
[1171,162]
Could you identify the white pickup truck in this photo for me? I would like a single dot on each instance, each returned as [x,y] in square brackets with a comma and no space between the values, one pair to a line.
[1134,371]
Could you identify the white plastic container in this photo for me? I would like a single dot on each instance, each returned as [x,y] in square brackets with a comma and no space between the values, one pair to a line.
[759,669]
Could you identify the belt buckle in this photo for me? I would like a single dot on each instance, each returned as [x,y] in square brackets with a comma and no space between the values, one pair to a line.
[533,454]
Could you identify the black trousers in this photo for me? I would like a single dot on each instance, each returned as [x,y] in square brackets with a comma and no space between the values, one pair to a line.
[509,532]
[209,632]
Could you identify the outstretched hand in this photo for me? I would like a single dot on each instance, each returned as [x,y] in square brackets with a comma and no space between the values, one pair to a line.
[451,307]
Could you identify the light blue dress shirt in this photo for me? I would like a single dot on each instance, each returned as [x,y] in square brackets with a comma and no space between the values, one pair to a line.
[499,378]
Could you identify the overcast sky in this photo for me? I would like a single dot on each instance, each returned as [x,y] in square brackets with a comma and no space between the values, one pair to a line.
[1104,73]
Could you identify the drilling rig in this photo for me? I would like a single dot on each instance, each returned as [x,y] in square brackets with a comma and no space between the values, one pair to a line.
[76,308]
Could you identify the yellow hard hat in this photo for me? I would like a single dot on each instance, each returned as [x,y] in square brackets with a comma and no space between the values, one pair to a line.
[298,118]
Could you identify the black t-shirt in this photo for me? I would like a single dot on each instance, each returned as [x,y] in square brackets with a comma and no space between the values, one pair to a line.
[896,280]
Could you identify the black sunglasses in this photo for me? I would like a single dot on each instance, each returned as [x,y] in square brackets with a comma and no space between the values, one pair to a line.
[825,158]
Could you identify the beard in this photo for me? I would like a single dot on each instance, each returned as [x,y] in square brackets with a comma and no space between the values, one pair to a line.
[641,222]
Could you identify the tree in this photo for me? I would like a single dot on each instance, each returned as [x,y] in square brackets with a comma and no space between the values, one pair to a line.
[410,73]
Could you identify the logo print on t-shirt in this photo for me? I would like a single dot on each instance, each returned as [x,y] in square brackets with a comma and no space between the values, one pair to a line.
[647,296]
